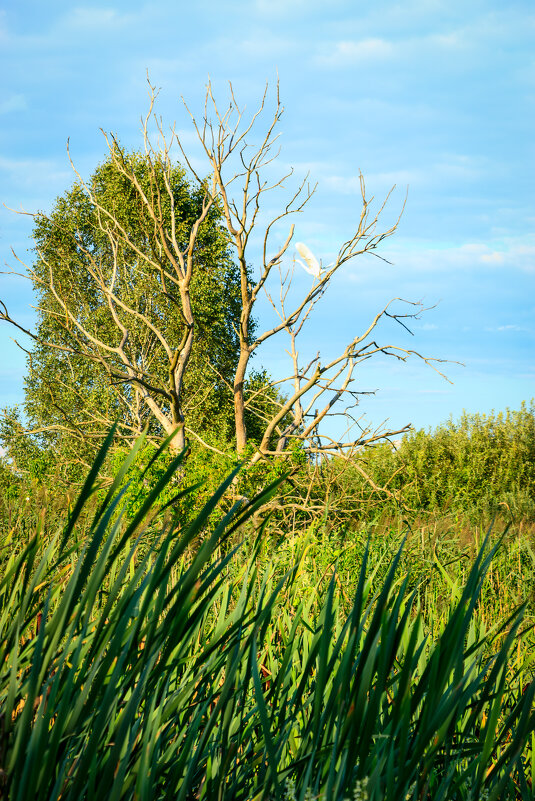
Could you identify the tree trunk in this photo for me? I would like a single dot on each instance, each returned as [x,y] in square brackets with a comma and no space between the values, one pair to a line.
[178,443]
[239,403]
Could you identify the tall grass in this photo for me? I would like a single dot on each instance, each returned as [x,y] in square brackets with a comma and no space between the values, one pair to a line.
[153,660]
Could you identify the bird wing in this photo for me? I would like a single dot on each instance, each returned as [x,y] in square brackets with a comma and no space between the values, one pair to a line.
[313,265]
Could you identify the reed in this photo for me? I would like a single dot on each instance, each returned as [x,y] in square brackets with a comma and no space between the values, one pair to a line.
[145,659]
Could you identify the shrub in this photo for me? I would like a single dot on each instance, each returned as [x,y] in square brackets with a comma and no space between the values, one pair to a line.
[474,464]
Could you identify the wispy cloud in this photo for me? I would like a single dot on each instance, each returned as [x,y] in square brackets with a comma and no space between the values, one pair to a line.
[494,257]
[81,23]
[30,171]
[511,328]
[428,327]
[262,43]
[513,254]
[350,184]
[460,39]
[277,9]
[87,17]
[344,53]
[505,257]
[450,169]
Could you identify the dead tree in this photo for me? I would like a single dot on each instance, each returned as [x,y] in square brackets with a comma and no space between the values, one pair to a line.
[240,173]
[238,183]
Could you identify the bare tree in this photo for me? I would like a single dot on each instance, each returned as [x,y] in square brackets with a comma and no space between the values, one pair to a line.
[315,389]
[238,183]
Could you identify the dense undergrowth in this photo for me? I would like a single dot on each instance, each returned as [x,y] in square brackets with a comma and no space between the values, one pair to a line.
[479,464]
[465,472]
[152,655]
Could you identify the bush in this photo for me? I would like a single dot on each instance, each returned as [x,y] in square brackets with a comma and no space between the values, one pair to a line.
[475,464]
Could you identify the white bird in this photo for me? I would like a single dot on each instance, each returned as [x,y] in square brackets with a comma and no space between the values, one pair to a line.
[312,265]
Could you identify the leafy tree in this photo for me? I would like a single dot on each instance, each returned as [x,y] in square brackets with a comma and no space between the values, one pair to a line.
[99,260]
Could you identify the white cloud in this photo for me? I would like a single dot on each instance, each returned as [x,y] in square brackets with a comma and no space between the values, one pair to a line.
[348,52]
[79,24]
[526,250]
[455,39]
[460,38]
[103,19]
[35,171]
[275,9]
[84,17]
[262,43]
[450,169]
[508,254]
[509,328]
[344,53]
[350,185]
[494,257]
[428,327]
[423,265]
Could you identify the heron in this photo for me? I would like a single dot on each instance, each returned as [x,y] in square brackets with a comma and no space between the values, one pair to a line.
[312,265]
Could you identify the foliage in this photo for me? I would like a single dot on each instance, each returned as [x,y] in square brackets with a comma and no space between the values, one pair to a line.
[203,469]
[478,463]
[195,673]
[72,400]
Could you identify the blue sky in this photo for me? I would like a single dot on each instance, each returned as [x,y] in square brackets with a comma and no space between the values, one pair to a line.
[437,96]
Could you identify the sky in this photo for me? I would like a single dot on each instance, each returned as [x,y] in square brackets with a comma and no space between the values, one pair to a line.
[436,98]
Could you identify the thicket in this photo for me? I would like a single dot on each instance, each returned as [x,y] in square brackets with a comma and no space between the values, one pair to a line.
[467,470]
[479,464]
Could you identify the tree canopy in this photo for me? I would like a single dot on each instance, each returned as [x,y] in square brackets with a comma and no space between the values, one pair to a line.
[128,313]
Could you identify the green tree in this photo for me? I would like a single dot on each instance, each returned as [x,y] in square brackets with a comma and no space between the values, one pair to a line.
[111,330]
